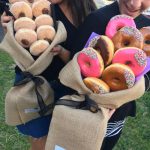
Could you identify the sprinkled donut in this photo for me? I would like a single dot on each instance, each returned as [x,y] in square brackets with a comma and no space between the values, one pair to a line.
[117,22]
[96,85]
[22,37]
[128,37]
[118,77]
[146,43]
[21,9]
[40,7]
[90,62]
[133,57]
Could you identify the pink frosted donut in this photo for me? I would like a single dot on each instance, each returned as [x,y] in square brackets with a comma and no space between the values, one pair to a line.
[133,57]
[90,62]
[117,22]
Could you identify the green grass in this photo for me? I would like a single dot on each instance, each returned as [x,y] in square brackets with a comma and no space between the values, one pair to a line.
[136,133]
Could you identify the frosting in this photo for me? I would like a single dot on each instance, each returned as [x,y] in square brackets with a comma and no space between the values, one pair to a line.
[89,52]
[130,78]
[140,57]
[132,32]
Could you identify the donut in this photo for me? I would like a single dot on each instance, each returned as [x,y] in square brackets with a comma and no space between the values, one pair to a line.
[38,47]
[44,20]
[13,1]
[118,77]
[133,57]
[146,42]
[105,47]
[24,22]
[117,22]
[21,9]
[41,7]
[22,37]
[90,62]
[96,85]
[46,32]
[128,37]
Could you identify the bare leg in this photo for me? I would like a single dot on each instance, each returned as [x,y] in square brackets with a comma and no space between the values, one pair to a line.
[38,144]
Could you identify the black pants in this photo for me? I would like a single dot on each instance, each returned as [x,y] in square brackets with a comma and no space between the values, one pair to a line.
[116,123]
[110,142]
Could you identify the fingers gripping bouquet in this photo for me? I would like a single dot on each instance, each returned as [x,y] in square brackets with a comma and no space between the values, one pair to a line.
[104,76]
[30,34]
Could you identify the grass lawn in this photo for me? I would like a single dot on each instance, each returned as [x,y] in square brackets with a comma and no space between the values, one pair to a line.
[136,134]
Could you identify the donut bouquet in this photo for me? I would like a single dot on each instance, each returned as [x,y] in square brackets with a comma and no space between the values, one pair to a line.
[104,74]
[30,33]
[33,25]
[110,68]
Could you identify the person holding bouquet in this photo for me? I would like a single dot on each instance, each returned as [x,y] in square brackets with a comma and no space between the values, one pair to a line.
[72,14]
[97,22]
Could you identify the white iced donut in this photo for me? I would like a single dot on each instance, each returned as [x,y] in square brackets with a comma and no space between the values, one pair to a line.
[38,47]
[25,37]
[44,20]
[41,7]
[46,32]
[21,9]
[24,22]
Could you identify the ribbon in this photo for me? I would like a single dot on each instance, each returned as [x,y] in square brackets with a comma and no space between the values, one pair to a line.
[37,81]
[87,104]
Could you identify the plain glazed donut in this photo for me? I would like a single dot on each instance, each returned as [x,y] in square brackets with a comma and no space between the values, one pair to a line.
[96,85]
[44,20]
[24,22]
[146,43]
[133,57]
[90,62]
[22,37]
[38,47]
[118,77]
[117,22]
[21,9]
[128,37]
[41,7]
[46,32]
[105,47]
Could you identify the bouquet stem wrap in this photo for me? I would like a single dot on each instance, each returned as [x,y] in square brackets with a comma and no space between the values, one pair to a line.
[28,99]
[76,129]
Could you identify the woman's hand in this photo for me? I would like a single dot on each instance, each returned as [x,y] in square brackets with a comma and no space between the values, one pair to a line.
[111,112]
[61,52]
[5,19]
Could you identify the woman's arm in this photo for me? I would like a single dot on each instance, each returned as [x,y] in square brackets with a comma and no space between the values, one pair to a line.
[62,53]
[5,19]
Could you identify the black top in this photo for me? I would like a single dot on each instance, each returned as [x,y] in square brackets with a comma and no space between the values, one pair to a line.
[97,22]
[51,73]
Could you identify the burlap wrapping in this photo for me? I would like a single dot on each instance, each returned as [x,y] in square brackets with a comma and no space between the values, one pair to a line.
[75,129]
[21,103]
[70,76]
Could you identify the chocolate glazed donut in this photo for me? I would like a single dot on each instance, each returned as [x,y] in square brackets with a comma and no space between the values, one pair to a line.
[105,47]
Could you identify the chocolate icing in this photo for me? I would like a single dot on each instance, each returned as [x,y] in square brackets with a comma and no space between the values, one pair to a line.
[102,47]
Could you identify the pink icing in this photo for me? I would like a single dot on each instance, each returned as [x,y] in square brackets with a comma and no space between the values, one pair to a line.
[133,57]
[117,22]
[89,63]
